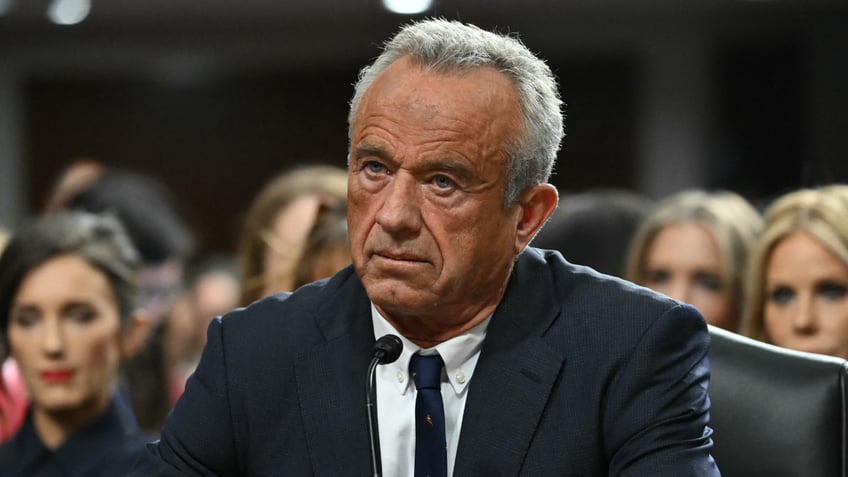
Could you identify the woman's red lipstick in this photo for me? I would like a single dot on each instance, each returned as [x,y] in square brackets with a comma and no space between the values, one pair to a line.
[57,377]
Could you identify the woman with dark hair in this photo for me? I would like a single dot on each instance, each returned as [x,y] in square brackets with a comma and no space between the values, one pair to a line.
[157,228]
[68,318]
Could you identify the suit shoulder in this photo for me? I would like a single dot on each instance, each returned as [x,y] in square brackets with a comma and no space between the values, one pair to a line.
[595,303]
[292,315]
[578,283]
[599,311]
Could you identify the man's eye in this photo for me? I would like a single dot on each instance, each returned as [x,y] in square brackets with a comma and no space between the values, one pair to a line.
[374,167]
[443,182]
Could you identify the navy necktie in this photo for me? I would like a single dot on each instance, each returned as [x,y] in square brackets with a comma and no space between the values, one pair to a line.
[431,458]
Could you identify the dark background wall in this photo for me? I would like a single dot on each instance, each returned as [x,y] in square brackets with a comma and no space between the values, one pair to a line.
[732,94]
[217,143]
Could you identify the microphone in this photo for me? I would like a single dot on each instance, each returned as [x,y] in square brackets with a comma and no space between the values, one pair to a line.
[386,350]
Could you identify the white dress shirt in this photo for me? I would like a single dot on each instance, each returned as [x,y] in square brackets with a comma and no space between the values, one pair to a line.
[396,394]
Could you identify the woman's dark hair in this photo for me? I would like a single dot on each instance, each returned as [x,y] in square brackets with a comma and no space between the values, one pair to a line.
[98,239]
[148,211]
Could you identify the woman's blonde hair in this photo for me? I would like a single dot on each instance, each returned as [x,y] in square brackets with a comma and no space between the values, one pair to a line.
[732,220]
[821,212]
[329,183]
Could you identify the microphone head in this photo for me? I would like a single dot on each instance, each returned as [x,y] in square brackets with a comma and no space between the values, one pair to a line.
[387,349]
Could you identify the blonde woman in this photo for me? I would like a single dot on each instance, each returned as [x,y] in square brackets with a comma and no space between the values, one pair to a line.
[278,223]
[693,247]
[798,276]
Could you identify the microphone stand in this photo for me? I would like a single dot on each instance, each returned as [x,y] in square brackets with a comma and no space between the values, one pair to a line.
[376,459]
[387,349]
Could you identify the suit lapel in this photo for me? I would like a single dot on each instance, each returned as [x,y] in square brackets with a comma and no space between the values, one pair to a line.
[514,377]
[331,385]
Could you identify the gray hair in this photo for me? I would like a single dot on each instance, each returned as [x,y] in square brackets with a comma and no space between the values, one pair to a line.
[447,46]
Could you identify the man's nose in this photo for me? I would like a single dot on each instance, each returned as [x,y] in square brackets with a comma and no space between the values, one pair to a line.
[400,211]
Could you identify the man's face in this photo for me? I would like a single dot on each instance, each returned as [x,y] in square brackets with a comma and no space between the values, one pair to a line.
[429,235]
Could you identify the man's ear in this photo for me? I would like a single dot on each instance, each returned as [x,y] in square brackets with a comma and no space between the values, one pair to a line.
[537,204]
[134,334]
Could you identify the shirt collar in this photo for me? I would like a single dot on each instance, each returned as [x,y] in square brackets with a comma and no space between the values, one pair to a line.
[459,353]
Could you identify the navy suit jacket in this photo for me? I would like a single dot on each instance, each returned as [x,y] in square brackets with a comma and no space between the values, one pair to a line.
[580,374]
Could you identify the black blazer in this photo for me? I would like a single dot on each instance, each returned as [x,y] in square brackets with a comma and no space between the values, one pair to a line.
[106,446]
[580,374]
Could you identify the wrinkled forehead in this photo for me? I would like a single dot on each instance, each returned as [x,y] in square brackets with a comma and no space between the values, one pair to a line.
[409,88]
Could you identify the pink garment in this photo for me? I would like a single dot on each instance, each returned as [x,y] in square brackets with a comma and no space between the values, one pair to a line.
[13,400]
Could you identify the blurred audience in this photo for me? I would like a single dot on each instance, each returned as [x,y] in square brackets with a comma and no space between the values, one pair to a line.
[157,227]
[150,214]
[277,224]
[594,228]
[68,316]
[327,249]
[212,290]
[693,247]
[13,400]
[78,176]
[798,276]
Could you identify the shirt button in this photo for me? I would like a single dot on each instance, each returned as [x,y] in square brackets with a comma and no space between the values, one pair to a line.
[401,376]
[460,377]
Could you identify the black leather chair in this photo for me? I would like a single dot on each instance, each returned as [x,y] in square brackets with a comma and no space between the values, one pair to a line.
[777,412]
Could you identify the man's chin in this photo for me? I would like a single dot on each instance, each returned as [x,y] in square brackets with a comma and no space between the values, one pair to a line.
[399,296]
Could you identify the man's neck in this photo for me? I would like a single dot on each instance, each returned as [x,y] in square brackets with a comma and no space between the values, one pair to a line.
[428,331]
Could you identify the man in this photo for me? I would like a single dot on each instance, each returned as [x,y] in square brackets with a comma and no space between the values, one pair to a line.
[549,368]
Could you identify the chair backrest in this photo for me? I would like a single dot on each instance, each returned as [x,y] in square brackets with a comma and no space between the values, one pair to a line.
[777,412]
